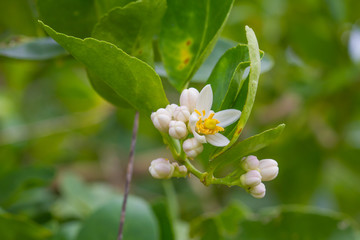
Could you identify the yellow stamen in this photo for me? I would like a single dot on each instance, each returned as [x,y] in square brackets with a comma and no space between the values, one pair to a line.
[208,125]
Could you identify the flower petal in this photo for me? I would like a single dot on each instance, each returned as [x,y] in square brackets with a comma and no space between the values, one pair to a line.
[199,138]
[205,99]
[217,140]
[194,117]
[227,117]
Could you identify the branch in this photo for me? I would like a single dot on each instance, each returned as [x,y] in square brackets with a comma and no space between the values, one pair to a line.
[128,175]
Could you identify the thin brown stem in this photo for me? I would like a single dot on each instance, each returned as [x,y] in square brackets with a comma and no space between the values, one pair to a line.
[129,172]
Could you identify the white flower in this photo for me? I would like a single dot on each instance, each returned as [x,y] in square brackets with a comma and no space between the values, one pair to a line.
[177,129]
[161,119]
[206,125]
[258,191]
[181,114]
[161,168]
[268,169]
[171,108]
[250,163]
[250,179]
[192,147]
[188,98]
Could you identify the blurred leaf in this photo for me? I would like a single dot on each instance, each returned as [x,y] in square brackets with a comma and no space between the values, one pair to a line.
[20,179]
[76,18]
[17,17]
[132,27]
[254,75]
[247,146]
[104,6]
[165,220]
[13,227]
[294,222]
[78,200]
[103,224]
[37,49]
[189,33]
[132,79]
[218,226]
[67,231]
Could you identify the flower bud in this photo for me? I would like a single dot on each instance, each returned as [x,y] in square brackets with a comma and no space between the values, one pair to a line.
[171,108]
[250,163]
[178,129]
[268,169]
[192,147]
[179,171]
[251,178]
[181,114]
[188,98]
[258,191]
[161,168]
[161,119]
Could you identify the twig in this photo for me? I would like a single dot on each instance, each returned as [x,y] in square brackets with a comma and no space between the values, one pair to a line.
[129,172]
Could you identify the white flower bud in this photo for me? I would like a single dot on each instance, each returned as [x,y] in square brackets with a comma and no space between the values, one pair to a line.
[192,147]
[258,191]
[178,129]
[251,178]
[161,119]
[161,168]
[179,171]
[188,98]
[268,169]
[250,163]
[171,108]
[181,114]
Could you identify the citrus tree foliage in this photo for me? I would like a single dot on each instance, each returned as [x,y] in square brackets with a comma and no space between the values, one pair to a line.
[140,55]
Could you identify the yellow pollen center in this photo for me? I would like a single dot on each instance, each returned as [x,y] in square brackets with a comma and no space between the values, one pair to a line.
[208,125]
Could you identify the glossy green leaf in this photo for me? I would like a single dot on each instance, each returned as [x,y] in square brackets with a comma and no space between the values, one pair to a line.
[36,49]
[131,79]
[226,78]
[254,75]
[189,32]
[103,224]
[14,227]
[132,27]
[248,146]
[295,222]
[76,18]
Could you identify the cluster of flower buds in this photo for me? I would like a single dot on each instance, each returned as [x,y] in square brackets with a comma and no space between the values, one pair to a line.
[161,168]
[256,172]
[194,116]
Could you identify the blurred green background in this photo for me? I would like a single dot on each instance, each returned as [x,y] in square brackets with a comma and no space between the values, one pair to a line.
[58,137]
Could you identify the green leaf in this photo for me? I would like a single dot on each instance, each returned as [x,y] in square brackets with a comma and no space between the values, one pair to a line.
[226,78]
[103,224]
[255,70]
[18,180]
[295,222]
[165,220]
[189,32]
[36,49]
[132,27]
[104,6]
[13,227]
[131,79]
[246,147]
[76,18]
